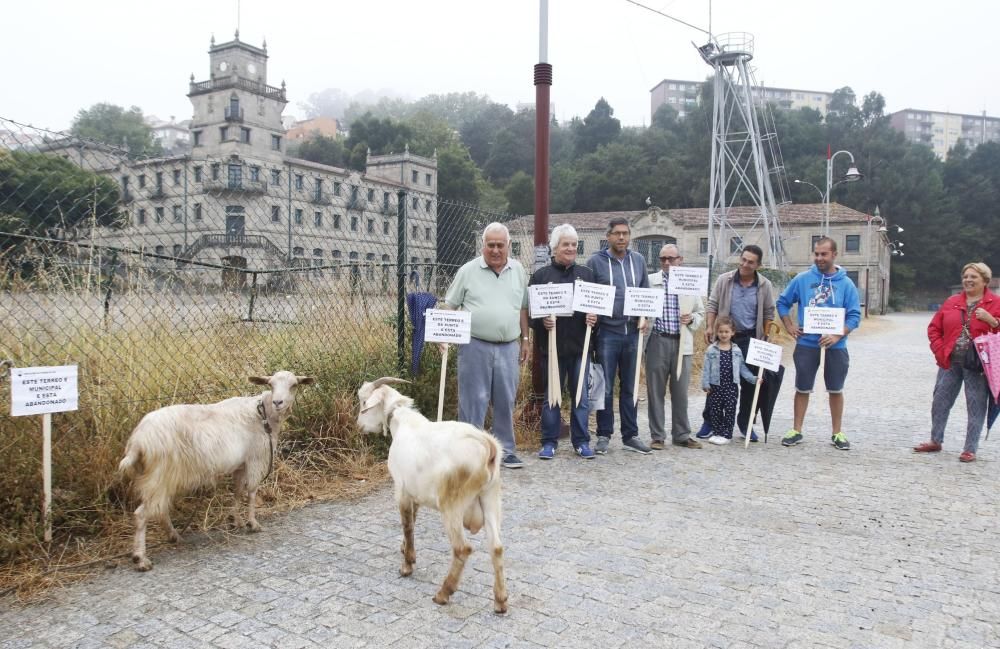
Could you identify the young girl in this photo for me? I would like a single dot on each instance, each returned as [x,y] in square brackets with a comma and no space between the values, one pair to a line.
[720,378]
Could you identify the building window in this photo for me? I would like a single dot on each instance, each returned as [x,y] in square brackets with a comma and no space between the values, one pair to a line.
[371,195]
[178,214]
[298,216]
[255,174]
[160,250]
[159,181]
[371,226]
[177,176]
[336,260]
[215,171]
[427,179]
[735,245]
[385,227]
[336,189]
[813,240]
[318,219]
[275,214]
[852,243]
[142,180]
[235,176]
[158,215]
[223,133]
[703,246]
[354,224]
[515,248]
[276,143]
[414,175]
[196,135]
[414,231]
[245,135]
[177,250]
[853,276]
[336,221]
[427,205]
[197,211]
[319,189]
[140,219]
[416,202]
[197,174]
[427,234]
[370,270]
[298,181]
[275,177]
[579,246]
[385,199]
[298,251]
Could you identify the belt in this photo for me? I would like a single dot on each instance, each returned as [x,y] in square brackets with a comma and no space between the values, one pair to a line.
[496,342]
[750,333]
[664,334]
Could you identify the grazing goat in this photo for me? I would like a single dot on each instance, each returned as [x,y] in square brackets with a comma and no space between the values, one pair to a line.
[448,466]
[182,447]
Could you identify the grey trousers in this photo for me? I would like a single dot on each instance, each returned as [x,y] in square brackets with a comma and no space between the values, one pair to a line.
[661,369]
[977,395]
[488,374]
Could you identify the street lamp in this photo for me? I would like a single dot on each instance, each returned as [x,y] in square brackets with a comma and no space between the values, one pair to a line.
[868,251]
[851,176]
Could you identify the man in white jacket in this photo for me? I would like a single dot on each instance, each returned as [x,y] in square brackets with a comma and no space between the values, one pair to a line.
[670,335]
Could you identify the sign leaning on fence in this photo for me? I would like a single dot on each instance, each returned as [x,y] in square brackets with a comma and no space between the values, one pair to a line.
[445,326]
[43,391]
[645,303]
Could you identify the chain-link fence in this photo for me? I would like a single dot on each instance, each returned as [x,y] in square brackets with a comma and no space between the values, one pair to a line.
[171,279]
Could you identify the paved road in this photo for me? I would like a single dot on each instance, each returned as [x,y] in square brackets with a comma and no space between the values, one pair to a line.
[720,547]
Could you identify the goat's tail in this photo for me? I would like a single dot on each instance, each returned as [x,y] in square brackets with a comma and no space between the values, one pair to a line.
[493,457]
[132,461]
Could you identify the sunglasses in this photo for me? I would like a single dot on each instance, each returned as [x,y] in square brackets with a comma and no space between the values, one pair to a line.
[670,259]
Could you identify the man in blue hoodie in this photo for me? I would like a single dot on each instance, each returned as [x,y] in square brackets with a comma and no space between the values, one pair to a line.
[618,336]
[823,285]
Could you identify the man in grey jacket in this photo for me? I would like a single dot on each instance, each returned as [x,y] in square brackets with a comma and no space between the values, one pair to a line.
[618,336]
[747,297]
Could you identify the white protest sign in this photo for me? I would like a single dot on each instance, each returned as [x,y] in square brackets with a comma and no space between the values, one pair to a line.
[594,298]
[41,390]
[550,299]
[824,320]
[646,302]
[764,354]
[444,326]
[688,280]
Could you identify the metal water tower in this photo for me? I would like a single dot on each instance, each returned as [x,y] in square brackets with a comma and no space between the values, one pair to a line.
[747,169]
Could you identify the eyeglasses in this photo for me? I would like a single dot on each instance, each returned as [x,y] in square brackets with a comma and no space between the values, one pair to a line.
[670,259]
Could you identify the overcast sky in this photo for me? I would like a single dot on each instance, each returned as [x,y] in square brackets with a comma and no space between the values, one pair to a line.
[63,55]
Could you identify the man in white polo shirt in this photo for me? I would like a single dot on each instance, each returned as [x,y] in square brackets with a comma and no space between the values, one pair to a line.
[494,288]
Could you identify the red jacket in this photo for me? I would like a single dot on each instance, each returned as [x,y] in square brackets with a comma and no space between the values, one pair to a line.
[947,324]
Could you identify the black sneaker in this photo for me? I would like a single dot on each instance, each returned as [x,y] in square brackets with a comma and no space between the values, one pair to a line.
[840,441]
[791,438]
[602,445]
[635,444]
[512,461]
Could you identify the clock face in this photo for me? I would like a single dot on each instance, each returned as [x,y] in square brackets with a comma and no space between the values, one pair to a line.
[223,66]
[252,69]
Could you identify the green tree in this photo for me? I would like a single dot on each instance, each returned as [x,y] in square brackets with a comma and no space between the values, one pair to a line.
[520,193]
[323,149]
[114,125]
[479,132]
[597,128]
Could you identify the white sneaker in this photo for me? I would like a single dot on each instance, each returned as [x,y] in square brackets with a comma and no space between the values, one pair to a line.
[718,439]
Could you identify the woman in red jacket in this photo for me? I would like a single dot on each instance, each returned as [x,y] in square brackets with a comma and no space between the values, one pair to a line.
[971,313]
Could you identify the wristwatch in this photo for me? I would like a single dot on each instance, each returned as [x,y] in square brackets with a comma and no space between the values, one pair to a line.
[525,338]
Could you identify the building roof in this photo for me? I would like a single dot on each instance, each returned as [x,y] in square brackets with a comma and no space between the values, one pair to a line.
[697,217]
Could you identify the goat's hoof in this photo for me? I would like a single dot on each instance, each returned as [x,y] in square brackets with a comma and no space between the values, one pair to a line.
[174,538]
[142,564]
[500,608]
[441,599]
[253,526]
[406,570]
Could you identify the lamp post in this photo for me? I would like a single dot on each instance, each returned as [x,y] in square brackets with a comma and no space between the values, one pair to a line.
[868,252]
[851,176]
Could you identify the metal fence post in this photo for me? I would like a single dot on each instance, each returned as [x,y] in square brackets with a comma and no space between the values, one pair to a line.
[401,281]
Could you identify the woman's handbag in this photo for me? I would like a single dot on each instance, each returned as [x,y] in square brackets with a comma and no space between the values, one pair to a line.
[970,359]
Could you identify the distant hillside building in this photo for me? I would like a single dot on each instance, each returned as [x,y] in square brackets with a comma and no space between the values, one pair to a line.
[682,95]
[237,199]
[326,126]
[942,131]
[172,136]
[863,250]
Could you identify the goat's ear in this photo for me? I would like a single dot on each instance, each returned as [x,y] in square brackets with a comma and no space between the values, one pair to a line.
[372,401]
[305,380]
[259,380]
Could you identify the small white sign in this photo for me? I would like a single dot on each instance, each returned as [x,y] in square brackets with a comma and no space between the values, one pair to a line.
[40,390]
[824,320]
[446,326]
[647,302]
[594,298]
[688,280]
[550,299]
[764,354]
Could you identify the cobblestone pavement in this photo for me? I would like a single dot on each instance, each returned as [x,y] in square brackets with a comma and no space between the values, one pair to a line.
[719,547]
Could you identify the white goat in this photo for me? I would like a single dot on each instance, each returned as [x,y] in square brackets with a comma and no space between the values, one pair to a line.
[448,466]
[182,447]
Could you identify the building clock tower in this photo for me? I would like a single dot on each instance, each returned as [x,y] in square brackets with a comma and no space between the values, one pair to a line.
[235,112]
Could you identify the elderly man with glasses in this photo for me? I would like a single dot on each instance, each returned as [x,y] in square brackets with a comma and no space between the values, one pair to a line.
[665,343]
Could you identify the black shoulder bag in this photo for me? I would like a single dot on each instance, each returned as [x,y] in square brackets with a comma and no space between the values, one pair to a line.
[970,359]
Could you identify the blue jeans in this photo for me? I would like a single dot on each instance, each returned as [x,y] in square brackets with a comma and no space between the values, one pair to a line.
[569,368]
[617,354]
[488,374]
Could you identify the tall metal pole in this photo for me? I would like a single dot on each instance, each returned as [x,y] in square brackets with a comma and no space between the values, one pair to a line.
[826,197]
[543,82]
[401,282]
